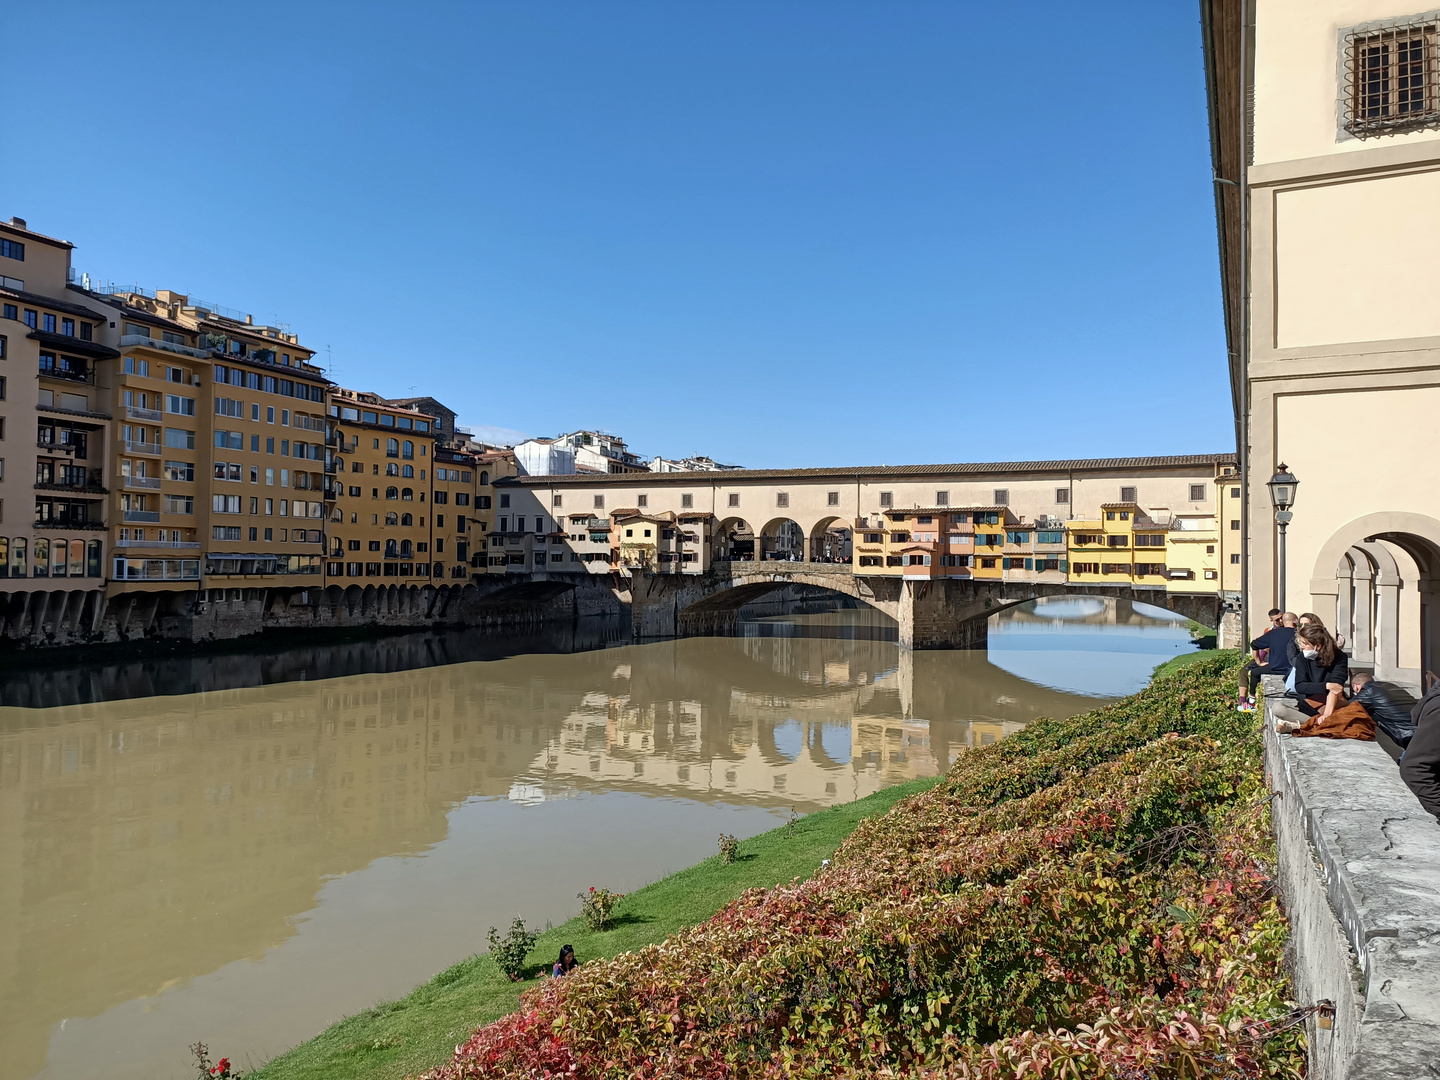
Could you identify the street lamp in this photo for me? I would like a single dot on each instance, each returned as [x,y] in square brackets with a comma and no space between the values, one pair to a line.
[1282,496]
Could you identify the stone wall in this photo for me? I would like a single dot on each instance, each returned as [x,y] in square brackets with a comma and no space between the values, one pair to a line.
[1360,876]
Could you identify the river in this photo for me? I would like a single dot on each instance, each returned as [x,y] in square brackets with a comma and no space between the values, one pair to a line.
[243,848]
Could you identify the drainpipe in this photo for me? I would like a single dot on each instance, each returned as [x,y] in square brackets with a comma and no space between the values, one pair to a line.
[1244,192]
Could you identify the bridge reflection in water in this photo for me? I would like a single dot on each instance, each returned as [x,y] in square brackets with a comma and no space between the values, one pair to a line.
[247,863]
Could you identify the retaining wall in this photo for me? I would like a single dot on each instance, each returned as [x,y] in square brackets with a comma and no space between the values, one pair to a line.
[1360,875]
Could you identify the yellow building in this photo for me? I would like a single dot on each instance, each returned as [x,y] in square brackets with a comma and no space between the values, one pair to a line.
[928,542]
[1102,549]
[219,452]
[382,527]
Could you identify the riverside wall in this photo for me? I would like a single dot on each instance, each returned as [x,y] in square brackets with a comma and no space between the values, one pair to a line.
[1359,869]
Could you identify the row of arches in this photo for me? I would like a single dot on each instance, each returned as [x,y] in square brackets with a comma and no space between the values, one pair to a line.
[782,539]
[1381,594]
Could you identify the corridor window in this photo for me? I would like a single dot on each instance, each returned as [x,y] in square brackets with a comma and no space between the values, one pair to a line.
[832,498]
[1062,496]
[1390,80]
[734,499]
[1002,496]
[942,498]
[782,499]
[687,502]
[887,498]
[1127,494]
[1197,492]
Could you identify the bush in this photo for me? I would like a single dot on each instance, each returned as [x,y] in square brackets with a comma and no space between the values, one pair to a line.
[729,848]
[596,906]
[220,1070]
[509,952]
[1089,897]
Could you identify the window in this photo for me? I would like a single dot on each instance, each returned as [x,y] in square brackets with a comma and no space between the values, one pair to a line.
[1235,525]
[942,498]
[687,502]
[1209,549]
[49,323]
[178,504]
[1235,559]
[642,500]
[225,440]
[599,501]
[1211,575]
[1390,79]
[1197,492]
[31,317]
[392,447]
[224,407]
[67,327]
[11,311]
[733,499]
[782,499]
[407,449]
[179,438]
[555,500]
[1127,494]
[1002,496]
[1234,493]
[180,470]
[392,493]
[13,249]
[1086,567]
[225,504]
[887,498]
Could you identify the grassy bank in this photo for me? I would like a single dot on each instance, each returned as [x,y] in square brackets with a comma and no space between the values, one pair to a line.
[421,1030]
[1184,660]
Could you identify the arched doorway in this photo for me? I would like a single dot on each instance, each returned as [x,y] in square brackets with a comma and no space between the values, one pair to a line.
[734,541]
[830,541]
[1375,583]
[782,540]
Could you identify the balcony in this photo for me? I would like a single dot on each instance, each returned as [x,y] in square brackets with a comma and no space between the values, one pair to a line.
[168,544]
[149,449]
[151,483]
[306,423]
[157,570]
[153,416]
[131,340]
[142,517]
[74,375]
[80,487]
[70,525]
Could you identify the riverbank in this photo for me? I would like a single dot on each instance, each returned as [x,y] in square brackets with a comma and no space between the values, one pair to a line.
[1087,897]
[417,1032]
[1184,660]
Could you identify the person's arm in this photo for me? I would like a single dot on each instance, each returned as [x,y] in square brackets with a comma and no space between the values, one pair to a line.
[1334,695]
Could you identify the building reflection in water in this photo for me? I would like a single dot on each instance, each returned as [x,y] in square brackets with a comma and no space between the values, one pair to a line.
[147,842]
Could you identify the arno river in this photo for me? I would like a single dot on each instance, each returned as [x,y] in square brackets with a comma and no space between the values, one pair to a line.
[243,848]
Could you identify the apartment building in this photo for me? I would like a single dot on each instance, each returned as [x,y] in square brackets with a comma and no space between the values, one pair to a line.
[577,452]
[928,542]
[383,527]
[55,371]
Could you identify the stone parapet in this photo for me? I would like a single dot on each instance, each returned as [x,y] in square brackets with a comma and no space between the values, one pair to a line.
[1360,876]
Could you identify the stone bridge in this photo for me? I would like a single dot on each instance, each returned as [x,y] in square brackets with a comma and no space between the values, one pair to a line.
[948,613]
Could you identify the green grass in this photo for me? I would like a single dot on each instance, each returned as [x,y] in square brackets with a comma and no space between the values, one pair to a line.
[1175,663]
[420,1031]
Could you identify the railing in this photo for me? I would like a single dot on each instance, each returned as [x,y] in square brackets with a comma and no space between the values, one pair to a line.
[306,423]
[142,482]
[152,415]
[157,570]
[131,340]
[150,448]
[177,544]
[81,487]
[67,374]
[59,523]
[143,517]
[50,446]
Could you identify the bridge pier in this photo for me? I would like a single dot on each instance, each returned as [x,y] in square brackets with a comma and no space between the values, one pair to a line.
[946,614]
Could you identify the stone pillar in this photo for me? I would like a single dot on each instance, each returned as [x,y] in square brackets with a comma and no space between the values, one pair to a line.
[1363,649]
[1230,634]
[1344,601]
[939,615]
[1387,626]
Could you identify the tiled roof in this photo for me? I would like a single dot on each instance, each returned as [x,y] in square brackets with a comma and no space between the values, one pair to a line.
[898,472]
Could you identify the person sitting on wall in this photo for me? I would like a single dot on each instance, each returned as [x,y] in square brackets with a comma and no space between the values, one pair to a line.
[566,964]
[1393,719]
[1321,672]
[1420,765]
[1275,644]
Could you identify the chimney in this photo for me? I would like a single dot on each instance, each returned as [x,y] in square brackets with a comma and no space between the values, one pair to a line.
[18,222]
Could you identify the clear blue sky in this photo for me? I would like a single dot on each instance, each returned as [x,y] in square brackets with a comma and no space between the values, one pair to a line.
[819,233]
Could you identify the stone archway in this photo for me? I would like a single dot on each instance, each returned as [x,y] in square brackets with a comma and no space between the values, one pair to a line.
[1376,577]
[781,540]
[735,541]
[830,540]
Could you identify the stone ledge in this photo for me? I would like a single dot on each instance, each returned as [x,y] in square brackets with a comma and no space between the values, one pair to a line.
[1360,874]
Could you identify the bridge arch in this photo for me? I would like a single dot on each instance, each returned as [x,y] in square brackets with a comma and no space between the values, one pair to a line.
[734,541]
[830,540]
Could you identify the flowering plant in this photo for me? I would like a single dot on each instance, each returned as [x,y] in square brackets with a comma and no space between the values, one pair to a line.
[220,1070]
[596,906]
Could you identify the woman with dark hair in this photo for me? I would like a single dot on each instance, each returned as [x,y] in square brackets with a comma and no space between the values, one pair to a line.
[566,963]
[1321,672]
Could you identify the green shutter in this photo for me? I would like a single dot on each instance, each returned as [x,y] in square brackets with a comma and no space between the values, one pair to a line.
[1029,564]
[1065,565]
[1004,564]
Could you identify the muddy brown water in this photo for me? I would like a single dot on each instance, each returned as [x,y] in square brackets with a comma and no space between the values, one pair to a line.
[187,856]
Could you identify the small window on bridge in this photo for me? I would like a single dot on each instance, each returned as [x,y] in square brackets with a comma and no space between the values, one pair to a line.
[687,501]
[734,499]
[1197,492]
[557,500]
[1062,496]
[1127,494]
[942,498]
[1002,496]
[782,499]
[599,501]
[887,498]
[832,498]
[642,500]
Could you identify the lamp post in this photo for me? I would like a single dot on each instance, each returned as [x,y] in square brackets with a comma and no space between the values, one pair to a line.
[1282,496]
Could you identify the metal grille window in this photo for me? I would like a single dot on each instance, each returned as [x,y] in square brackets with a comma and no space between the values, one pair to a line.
[1002,496]
[1390,77]
[1127,494]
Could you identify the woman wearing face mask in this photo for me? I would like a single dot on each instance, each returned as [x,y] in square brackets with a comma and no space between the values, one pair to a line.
[1321,672]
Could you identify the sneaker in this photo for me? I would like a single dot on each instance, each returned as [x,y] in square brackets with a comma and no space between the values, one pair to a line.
[1286,727]
[1245,706]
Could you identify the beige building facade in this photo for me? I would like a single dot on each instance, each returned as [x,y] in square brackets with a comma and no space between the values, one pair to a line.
[1326,251]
